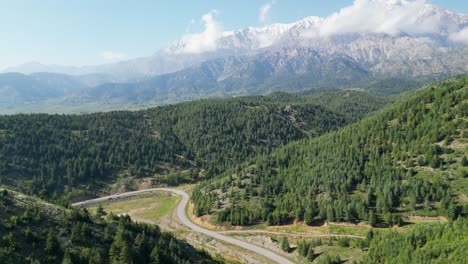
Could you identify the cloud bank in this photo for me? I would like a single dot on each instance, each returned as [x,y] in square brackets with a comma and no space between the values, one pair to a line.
[460,36]
[414,17]
[110,55]
[206,40]
[383,16]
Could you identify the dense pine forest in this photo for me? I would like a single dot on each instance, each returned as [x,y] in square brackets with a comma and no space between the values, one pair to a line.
[436,243]
[229,132]
[409,158]
[339,156]
[61,156]
[32,231]
[424,243]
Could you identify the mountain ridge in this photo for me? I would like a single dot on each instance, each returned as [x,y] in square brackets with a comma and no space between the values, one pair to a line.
[416,43]
[238,42]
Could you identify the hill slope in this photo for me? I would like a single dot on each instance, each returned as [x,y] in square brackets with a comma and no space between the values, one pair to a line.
[434,243]
[409,158]
[32,231]
[56,154]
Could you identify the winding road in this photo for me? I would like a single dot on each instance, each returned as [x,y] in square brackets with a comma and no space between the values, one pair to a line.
[184,219]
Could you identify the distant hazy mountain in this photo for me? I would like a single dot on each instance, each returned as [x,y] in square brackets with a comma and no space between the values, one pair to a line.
[365,43]
[283,69]
[418,29]
[131,70]
[288,69]
[17,88]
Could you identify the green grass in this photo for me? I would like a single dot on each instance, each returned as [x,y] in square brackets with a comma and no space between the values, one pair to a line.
[348,230]
[346,253]
[145,208]
[166,206]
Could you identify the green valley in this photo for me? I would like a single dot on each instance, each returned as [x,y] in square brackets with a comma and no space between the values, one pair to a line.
[59,157]
[256,132]
[327,176]
[404,161]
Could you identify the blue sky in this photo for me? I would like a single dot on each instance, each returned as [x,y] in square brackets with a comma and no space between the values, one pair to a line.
[80,32]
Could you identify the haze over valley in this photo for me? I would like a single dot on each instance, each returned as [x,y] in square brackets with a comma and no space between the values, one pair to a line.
[415,44]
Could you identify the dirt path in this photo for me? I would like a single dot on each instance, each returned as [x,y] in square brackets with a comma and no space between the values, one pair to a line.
[286,233]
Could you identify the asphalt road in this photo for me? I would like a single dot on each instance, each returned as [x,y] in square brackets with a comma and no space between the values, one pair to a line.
[184,219]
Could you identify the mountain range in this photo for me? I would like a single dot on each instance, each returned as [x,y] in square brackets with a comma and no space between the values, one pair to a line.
[367,43]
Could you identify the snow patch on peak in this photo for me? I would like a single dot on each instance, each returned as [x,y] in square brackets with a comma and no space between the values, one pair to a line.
[416,18]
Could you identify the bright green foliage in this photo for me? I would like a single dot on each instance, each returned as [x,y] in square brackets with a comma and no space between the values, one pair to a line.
[311,254]
[436,243]
[72,236]
[52,246]
[100,211]
[343,242]
[361,172]
[330,259]
[48,155]
[306,248]
[308,216]
[285,244]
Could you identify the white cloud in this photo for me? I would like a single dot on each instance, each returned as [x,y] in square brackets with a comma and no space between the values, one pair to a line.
[206,40]
[111,55]
[264,13]
[381,16]
[460,36]
[414,17]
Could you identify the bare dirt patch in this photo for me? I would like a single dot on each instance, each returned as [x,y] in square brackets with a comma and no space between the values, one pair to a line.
[415,218]
[456,144]
[361,224]
[463,198]
[204,221]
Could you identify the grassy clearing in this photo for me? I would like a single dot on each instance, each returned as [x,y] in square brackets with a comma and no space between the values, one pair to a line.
[348,230]
[348,254]
[146,208]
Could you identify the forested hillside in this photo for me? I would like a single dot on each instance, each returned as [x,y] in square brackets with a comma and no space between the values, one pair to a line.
[409,158]
[51,155]
[435,243]
[32,231]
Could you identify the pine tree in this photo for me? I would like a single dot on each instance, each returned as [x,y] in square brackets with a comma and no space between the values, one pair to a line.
[464,161]
[452,211]
[100,212]
[308,216]
[311,254]
[28,234]
[155,255]
[52,245]
[285,245]
[125,255]
[371,220]
[67,258]
[370,235]
[302,248]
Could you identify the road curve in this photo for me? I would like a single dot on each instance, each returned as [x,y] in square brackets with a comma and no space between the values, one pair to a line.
[184,219]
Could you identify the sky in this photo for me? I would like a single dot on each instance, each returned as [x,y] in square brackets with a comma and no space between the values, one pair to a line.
[87,32]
